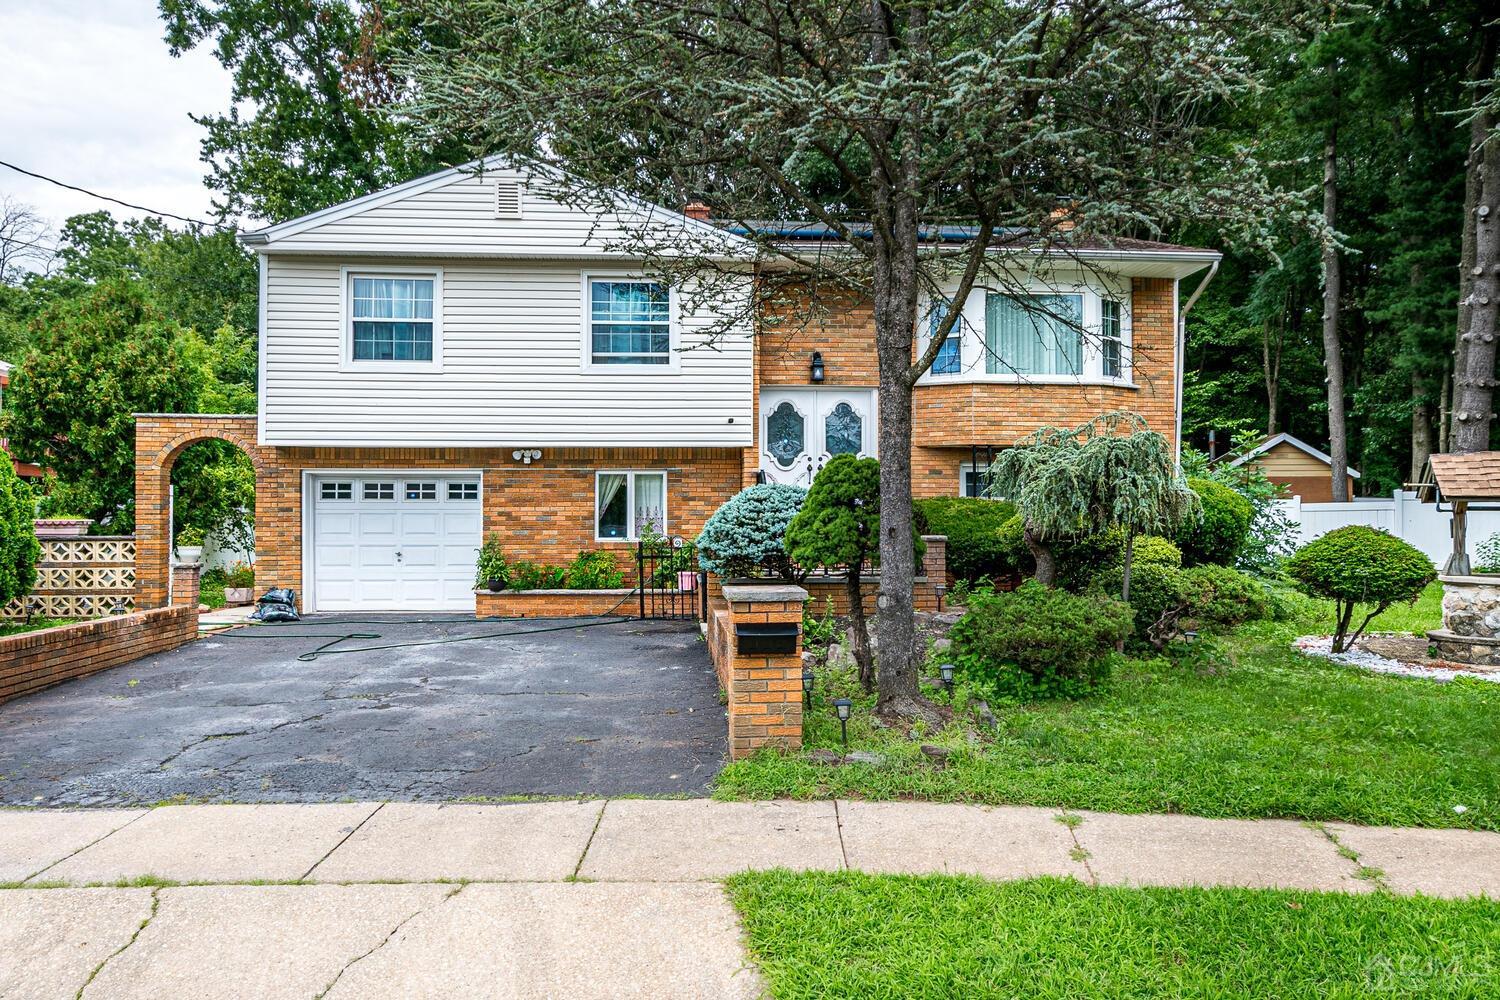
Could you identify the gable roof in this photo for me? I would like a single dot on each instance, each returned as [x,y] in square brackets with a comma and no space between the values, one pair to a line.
[1471,476]
[1298,443]
[657,215]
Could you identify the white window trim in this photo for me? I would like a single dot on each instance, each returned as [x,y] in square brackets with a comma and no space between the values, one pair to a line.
[347,274]
[586,325]
[974,354]
[632,535]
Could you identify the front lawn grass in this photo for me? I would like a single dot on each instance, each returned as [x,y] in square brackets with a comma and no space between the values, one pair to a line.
[848,934]
[1254,730]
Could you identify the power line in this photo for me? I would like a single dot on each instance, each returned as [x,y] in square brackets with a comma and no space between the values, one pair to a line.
[105,197]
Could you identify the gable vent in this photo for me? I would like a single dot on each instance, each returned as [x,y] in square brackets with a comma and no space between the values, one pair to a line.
[507,199]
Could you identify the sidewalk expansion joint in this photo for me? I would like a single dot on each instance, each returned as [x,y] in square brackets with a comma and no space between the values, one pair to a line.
[838,824]
[598,821]
[342,841]
[54,864]
[1079,853]
[1363,872]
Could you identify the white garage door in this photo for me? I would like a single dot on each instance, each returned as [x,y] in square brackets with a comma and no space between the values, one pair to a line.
[389,542]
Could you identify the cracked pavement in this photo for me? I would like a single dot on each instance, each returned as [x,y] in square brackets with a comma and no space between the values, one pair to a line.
[615,709]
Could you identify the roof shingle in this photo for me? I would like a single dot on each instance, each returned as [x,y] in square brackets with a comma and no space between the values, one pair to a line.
[1471,476]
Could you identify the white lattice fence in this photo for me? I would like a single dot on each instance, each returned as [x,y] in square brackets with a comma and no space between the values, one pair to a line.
[80,578]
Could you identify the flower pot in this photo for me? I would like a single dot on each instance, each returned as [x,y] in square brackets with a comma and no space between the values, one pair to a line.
[687,580]
[189,555]
[495,584]
[239,595]
[62,527]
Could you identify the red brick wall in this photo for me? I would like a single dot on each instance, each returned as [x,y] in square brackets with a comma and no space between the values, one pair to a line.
[543,512]
[32,661]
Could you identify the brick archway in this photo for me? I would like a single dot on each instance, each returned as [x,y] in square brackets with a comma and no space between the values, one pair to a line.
[159,439]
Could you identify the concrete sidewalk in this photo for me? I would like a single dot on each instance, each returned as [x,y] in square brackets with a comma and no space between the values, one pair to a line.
[576,899]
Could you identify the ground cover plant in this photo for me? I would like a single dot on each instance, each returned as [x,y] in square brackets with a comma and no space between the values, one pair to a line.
[848,934]
[1238,725]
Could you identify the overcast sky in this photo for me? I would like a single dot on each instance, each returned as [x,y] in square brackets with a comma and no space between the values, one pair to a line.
[91,96]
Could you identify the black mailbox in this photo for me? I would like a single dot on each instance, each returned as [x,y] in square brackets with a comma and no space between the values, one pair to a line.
[766,638]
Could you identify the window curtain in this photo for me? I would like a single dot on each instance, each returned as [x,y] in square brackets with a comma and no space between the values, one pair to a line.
[650,502]
[1041,336]
[611,502]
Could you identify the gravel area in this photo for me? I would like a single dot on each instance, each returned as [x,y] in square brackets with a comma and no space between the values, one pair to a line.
[1394,653]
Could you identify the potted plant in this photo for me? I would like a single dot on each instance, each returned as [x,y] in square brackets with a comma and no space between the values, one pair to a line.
[239,584]
[62,526]
[491,570]
[189,546]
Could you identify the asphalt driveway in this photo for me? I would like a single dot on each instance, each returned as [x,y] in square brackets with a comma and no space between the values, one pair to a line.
[615,708]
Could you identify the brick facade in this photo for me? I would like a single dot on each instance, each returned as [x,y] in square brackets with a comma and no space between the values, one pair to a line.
[35,660]
[543,512]
[556,603]
[949,419]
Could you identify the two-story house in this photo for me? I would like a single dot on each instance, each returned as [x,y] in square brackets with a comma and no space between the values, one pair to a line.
[464,355]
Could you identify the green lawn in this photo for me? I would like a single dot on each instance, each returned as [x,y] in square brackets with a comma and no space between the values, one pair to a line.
[1260,731]
[854,935]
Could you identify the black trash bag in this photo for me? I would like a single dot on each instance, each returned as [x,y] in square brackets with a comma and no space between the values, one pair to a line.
[278,605]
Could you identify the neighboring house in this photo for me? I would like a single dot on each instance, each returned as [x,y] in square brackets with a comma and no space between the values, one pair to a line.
[1291,462]
[463,355]
[26,470]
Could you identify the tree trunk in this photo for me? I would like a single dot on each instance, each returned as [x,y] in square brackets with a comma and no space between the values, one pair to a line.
[1421,428]
[1270,363]
[1470,430]
[1333,359]
[1474,381]
[1125,574]
[1046,563]
[859,635]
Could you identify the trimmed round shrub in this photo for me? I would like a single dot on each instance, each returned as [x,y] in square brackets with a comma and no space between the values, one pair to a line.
[1037,642]
[972,525]
[1219,595]
[1218,532]
[748,533]
[1159,597]
[1359,565]
[19,549]
[1152,550]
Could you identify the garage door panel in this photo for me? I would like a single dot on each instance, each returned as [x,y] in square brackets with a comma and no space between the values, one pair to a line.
[357,541]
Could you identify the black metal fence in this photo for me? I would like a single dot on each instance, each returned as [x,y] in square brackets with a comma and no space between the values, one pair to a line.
[670,584]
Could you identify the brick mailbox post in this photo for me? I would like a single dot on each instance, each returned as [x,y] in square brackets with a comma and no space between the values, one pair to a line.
[756,642]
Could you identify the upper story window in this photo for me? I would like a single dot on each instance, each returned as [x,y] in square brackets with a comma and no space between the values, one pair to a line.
[629,322]
[950,357]
[392,319]
[1033,334]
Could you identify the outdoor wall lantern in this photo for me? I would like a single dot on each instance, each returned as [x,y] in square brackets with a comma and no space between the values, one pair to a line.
[946,669]
[807,687]
[817,366]
[842,707]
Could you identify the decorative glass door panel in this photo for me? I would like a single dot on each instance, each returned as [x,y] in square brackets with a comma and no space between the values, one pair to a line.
[801,429]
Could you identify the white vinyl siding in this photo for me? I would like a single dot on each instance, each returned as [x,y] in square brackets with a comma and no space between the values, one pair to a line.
[512,372]
[459,217]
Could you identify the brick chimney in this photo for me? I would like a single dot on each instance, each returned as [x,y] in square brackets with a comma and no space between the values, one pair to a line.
[1063,217]
[696,210]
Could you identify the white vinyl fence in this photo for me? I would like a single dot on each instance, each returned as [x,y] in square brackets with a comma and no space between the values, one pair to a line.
[1403,515]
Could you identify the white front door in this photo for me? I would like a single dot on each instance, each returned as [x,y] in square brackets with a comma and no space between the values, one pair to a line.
[801,429]
[387,541]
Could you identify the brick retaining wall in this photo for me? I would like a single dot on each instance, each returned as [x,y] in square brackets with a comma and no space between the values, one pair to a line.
[35,660]
[555,603]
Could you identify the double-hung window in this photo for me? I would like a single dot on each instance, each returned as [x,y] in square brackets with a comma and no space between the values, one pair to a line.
[950,357]
[1033,334]
[391,318]
[1111,339]
[629,322]
[628,504]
